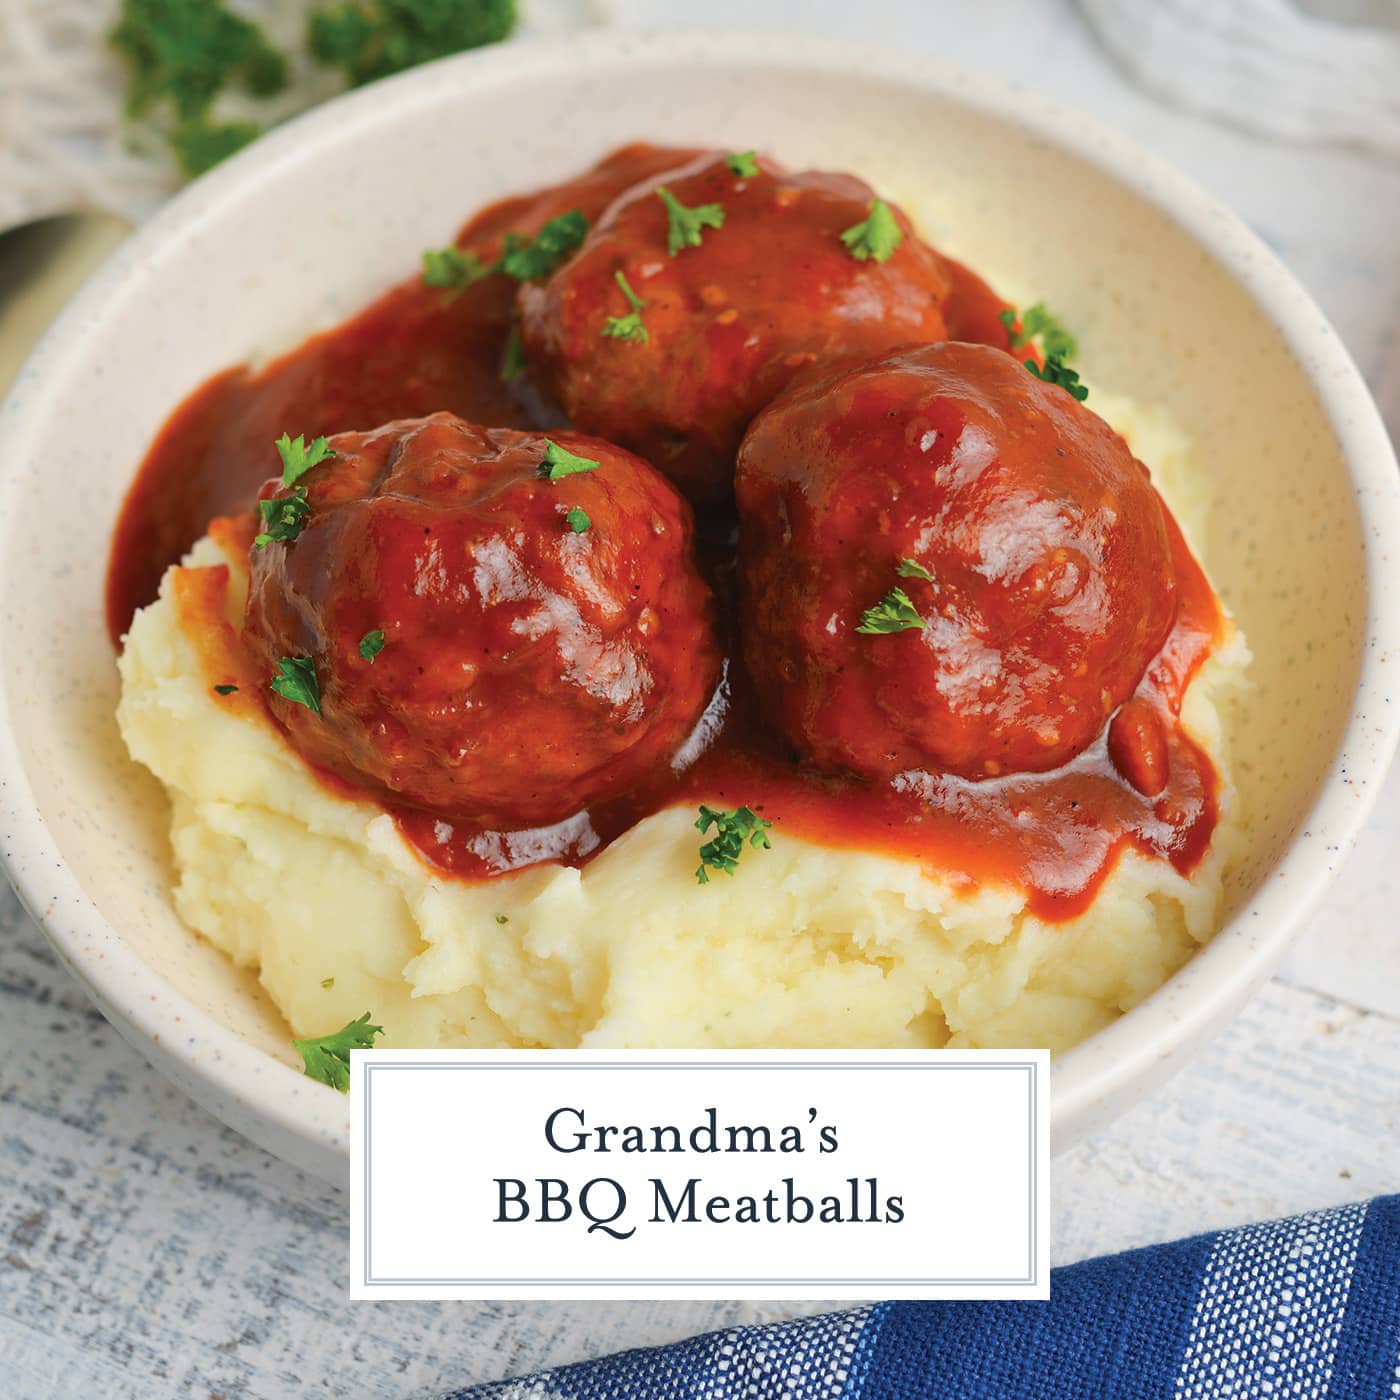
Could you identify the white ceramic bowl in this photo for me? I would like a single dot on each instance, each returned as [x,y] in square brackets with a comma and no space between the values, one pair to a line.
[1174,301]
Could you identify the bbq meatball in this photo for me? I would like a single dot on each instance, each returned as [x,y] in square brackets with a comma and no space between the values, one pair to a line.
[946,564]
[699,295]
[504,627]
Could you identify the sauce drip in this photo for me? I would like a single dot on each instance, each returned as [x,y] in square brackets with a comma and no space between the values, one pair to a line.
[415,351]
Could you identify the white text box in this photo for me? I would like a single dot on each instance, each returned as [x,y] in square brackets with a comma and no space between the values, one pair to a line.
[699,1174]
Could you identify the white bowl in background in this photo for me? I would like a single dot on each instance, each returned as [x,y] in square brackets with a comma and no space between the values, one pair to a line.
[1174,302]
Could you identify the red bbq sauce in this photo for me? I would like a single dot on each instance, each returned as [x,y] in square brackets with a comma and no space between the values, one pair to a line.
[416,350]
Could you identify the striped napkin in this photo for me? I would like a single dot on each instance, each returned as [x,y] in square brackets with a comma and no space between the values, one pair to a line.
[1298,1308]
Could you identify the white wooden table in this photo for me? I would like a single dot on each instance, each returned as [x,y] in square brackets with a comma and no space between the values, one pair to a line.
[147,1252]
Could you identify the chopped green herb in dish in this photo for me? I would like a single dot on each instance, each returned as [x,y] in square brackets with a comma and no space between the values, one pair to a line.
[893,613]
[627,327]
[876,236]
[371,644]
[327,1057]
[1056,371]
[298,458]
[513,357]
[911,568]
[296,681]
[370,39]
[225,689]
[578,520]
[525,259]
[685,225]
[743,164]
[327,983]
[283,518]
[1041,326]
[453,268]
[560,462]
[533,259]
[733,830]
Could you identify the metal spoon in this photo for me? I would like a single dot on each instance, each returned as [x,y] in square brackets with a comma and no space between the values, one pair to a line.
[41,265]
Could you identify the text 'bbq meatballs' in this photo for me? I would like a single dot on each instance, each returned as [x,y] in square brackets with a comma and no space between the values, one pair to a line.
[504,627]
[947,565]
[700,295]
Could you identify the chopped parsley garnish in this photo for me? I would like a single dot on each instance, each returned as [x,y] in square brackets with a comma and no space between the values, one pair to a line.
[684,224]
[532,259]
[201,145]
[525,259]
[454,268]
[370,39]
[327,983]
[283,517]
[560,462]
[876,236]
[371,644]
[627,327]
[296,681]
[298,458]
[1056,371]
[184,53]
[503,918]
[225,689]
[732,830]
[893,613]
[327,1057]
[911,568]
[578,519]
[513,357]
[743,164]
[1040,325]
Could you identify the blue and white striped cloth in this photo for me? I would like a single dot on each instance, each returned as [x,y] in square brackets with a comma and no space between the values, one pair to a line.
[1305,1307]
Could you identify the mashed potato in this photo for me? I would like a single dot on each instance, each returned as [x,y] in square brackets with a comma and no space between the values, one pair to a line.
[806,946]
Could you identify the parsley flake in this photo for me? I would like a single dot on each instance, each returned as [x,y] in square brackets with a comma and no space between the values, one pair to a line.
[684,224]
[1056,371]
[370,39]
[732,830]
[911,568]
[283,518]
[327,983]
[578,519]
[327,1057]
[876,236]
[513,357]
[893,613]
[744,164]
[201,144]
[296,682]
[298,458]
[225,689]
[533,259]
[454,268]
[185,55]
[560,462]
[627,327]
[503,918]
[1037,323]
[371,644]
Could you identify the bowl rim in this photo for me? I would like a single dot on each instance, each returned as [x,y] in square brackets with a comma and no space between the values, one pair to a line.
[312,1125]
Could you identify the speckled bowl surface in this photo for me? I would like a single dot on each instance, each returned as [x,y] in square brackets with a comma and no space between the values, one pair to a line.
[1174,301]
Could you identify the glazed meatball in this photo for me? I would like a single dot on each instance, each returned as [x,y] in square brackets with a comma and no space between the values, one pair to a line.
[947,565]
[499,632]
[731,284]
